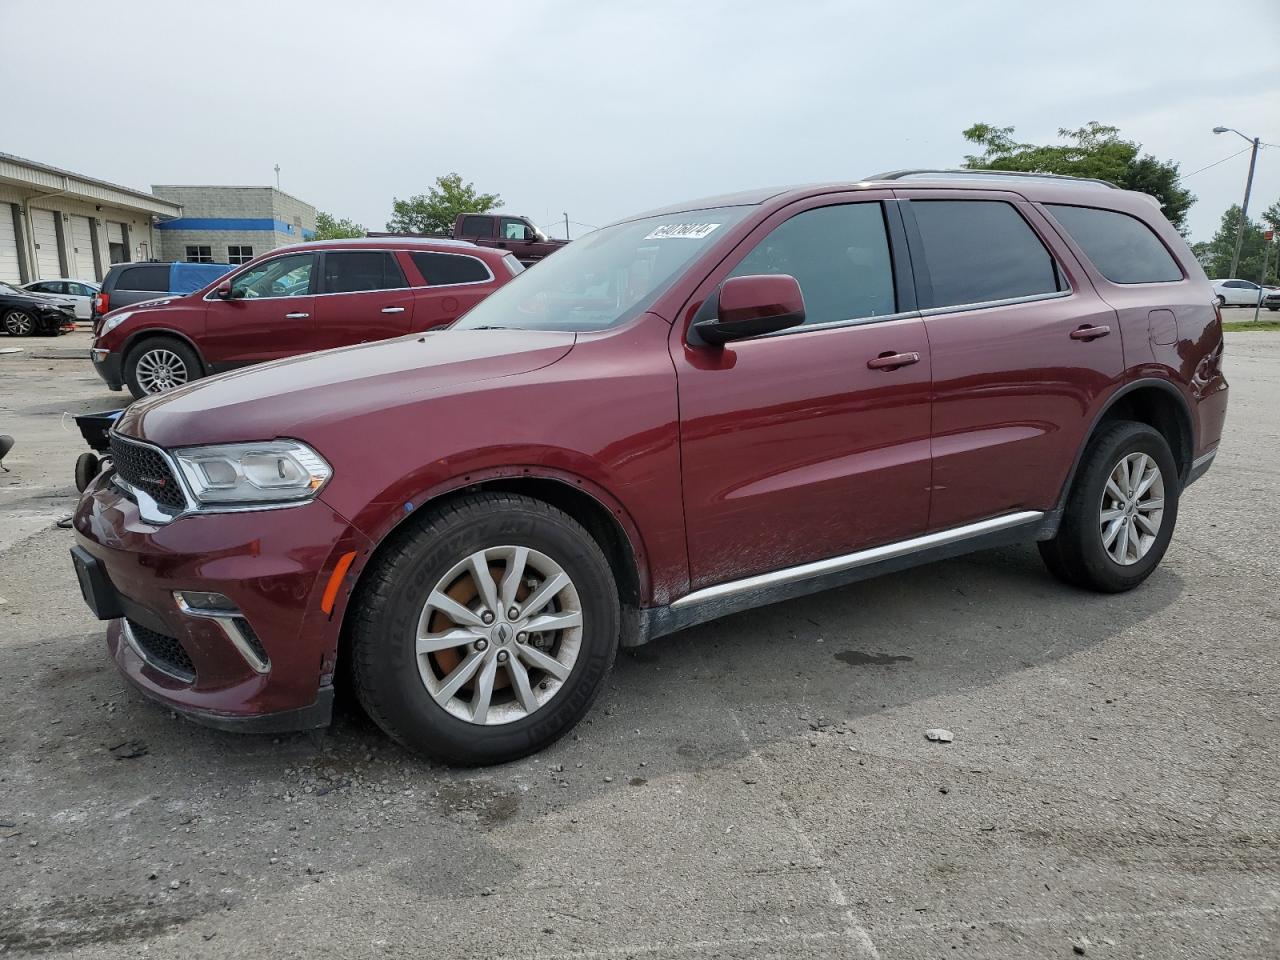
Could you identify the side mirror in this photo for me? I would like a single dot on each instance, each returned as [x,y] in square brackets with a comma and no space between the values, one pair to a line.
[223,290]
[750,306]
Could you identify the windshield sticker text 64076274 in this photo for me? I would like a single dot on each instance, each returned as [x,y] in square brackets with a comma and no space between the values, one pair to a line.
[682,231]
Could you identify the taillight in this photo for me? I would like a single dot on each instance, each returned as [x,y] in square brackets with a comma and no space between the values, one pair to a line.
[101,302]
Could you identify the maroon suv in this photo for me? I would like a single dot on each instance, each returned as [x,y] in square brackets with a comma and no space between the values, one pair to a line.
[689,413]
[296,299]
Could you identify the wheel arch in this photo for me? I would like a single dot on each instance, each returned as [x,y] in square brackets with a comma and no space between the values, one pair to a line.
[606,520]
[149,333]
[1150,400]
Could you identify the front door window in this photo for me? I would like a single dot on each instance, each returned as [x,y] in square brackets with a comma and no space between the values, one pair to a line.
[282,277]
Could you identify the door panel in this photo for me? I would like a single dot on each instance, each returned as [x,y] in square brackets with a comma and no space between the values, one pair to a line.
[793,448]
[355,304]
[270,317]
[1013,390]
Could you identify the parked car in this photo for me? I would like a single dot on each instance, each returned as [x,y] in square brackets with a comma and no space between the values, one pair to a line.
[295,299]
[1271,299]
[689,413]
[79,292]
[1237,293]
[520,235]
[128,284]
[24,314]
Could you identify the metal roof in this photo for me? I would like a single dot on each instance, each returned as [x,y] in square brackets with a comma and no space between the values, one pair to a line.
[47,179]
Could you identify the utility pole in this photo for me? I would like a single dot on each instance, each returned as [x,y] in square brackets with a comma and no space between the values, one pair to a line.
[566,226]
[278,179]
[1267,237]
[1255,142]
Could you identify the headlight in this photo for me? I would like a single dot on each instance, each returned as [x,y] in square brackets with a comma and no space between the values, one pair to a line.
[112,322]
[278,471]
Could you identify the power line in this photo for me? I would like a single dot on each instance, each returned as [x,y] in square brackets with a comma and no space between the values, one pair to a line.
[1216,162]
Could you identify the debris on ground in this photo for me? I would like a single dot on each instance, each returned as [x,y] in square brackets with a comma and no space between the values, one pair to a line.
[129,750]
[940,735]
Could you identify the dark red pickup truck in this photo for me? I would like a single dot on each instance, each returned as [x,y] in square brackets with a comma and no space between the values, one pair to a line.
[519,235]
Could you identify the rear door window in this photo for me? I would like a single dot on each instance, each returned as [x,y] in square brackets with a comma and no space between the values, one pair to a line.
[356,271]
[149,278]
[840,257]
[978,251]
[1122,247]
[480,227]
[441,269]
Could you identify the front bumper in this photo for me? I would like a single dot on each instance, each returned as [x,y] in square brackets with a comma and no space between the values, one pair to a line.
[109,367]
[273,565]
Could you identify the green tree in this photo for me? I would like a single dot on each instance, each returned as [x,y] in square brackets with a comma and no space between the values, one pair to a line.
[436,210]
[328,227]
[1094,150]
[1215,255]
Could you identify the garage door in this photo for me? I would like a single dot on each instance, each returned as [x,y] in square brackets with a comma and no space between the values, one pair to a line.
[82,266]
[46,236]
[119,253]
[8,246]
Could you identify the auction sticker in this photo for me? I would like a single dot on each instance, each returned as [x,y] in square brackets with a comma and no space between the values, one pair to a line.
[682,231]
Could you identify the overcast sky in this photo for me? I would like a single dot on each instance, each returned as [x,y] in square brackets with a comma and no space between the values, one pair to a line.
[603,109]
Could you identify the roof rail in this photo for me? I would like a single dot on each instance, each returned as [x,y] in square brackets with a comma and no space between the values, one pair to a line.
[988,174]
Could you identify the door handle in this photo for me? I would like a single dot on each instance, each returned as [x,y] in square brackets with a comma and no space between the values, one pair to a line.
[892,361]
[1090,333]
[393,309]
[296,316]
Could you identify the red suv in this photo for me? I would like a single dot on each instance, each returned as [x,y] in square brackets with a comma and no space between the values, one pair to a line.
[685,414]
[296,299]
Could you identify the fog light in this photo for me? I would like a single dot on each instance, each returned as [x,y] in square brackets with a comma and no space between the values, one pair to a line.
[207,602]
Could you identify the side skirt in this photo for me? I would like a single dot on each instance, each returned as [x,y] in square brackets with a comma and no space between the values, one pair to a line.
[711,603]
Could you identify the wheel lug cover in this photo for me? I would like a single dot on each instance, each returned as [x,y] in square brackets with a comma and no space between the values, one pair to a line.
[521,637]
[482,644]
[487,617]
[502,656]
[512,613]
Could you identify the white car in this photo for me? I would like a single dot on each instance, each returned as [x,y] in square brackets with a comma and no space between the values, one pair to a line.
[80,291]
[1232,293]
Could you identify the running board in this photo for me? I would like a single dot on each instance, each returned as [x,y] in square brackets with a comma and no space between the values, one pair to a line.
[711,603]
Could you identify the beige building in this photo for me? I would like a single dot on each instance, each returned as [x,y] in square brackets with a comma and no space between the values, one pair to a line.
[55,223]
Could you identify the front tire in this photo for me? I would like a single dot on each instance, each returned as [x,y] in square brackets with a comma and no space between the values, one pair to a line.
[483,631]
[1121,511]
[159,364]
[19,323]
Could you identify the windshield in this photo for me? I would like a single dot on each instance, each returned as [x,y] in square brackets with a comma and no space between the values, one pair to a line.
[606,277]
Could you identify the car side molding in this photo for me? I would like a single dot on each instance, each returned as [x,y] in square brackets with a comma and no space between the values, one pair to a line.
[723,599]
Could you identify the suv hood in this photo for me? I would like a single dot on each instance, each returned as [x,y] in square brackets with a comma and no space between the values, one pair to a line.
[287,398]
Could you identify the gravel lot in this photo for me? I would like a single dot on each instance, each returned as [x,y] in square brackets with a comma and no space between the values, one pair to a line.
[758,787]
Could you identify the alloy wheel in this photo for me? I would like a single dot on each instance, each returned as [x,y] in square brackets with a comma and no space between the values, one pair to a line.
[498,635]
[19,323]
[160,369]
[1132,508]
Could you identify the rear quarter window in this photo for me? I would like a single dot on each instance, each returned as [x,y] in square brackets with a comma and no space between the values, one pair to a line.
[1123,248]
[441,269]
[153,279]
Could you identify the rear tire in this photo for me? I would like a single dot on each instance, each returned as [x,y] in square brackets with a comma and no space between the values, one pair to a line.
[1106,540]
[527,689]
[1222,301]
[160,364]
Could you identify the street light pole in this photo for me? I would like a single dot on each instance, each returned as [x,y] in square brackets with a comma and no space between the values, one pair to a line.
[1248,188]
